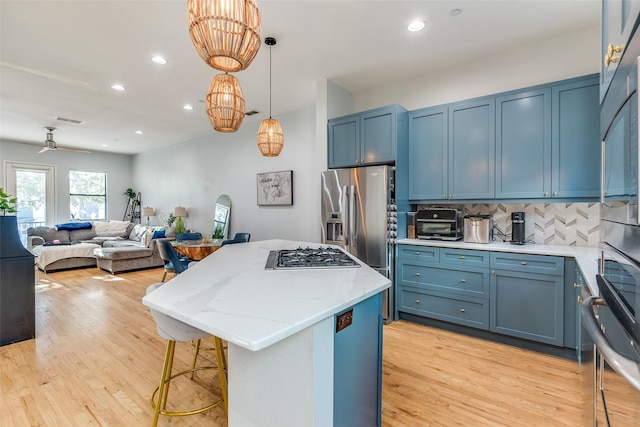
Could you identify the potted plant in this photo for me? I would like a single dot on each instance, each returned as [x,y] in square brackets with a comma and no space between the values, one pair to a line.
[8,204]
[180,228]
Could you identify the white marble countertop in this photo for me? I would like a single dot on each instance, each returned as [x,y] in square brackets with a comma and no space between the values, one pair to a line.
[229,294]
[586,257]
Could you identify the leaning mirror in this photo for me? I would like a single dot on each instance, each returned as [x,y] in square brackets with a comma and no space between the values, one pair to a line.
[221,217]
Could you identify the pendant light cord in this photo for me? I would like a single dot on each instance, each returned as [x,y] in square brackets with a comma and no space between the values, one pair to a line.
[269,81]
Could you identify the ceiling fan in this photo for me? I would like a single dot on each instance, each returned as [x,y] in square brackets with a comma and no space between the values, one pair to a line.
[50,144]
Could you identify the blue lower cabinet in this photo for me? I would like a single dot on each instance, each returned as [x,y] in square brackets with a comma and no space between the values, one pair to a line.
[357,372]
[521,295]
[529,306]
[468,311]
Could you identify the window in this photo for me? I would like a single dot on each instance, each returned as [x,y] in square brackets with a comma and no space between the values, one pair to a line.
[87,195]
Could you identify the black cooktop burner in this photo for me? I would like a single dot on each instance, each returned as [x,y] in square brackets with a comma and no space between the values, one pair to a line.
[309,258]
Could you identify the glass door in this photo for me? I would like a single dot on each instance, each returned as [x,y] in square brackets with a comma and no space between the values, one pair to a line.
[34,186]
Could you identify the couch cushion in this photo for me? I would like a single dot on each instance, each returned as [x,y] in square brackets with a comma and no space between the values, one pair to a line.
[76,235]
[122,252]
[111,228]
[49,234]
[122,243]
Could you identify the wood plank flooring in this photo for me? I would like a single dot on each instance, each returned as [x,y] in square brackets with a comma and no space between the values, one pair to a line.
[97,358]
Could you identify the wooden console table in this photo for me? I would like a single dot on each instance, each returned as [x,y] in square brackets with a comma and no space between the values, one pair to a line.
[196,251]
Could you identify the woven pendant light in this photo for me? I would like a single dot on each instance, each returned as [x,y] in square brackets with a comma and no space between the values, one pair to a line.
[226,33]
[225,103]
[270,137]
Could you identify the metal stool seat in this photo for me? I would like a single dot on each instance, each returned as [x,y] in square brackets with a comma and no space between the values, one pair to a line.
[175,331]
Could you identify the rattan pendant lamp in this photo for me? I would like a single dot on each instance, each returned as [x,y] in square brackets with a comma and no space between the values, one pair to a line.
[270,137]
[226,33]
[225,103]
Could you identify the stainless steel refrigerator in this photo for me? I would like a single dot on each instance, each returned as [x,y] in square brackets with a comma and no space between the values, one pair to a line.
[359,214]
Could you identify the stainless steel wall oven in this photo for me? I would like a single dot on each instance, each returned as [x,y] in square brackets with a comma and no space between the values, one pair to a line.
[611,319]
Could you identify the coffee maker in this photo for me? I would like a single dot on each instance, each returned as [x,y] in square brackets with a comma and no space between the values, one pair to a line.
[517,228]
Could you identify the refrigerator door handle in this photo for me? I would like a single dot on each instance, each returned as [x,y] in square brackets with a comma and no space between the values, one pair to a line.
[345,195]
[352,215]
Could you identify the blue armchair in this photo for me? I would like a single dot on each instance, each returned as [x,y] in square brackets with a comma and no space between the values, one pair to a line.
[172,262]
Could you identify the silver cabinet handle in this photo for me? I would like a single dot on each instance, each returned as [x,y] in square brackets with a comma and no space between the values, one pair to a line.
[493,272]
[462,257]
[626,367]
[462,310]
[555,194]
[417,301]
[523,262]
[417,274]
[417,253]
[546,194]
[463,280]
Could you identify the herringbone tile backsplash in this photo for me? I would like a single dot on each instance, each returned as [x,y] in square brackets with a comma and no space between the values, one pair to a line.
[571,224]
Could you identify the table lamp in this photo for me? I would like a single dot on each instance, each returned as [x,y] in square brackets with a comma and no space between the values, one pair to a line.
[147,212]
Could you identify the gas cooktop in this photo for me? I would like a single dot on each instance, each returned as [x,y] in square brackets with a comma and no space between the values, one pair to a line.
[326,257]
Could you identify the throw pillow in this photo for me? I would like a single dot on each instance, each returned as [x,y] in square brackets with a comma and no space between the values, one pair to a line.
[77,225]
[159,234]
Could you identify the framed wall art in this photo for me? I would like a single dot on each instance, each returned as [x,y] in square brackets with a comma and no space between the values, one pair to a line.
[275,188]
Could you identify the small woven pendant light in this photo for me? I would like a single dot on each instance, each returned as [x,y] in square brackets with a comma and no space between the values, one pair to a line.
[225,103]
[225,33]
[270,137]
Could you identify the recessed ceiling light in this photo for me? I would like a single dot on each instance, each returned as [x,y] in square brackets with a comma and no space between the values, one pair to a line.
[188,107]
[139,132]
[416,26]
[117,86]
[159,60]
[104,145]
[455,12]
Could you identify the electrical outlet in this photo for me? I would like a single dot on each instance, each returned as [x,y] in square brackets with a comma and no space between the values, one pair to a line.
[344,320]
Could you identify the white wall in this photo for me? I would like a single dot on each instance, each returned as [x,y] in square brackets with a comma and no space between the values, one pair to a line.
[194,173]
[548,60]
[117,167]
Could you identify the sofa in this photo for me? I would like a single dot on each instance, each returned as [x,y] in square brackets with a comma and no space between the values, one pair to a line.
[114,246]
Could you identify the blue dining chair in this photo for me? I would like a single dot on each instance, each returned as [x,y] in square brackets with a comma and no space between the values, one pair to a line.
[238,238]
[188,236]
[172,262]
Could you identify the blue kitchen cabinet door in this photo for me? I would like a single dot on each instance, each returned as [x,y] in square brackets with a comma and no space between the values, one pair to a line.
[471,150]
[357,373]
[526,305]
[523,145]
[576,146]
[616,179]
[428,154]
[618,25]
[378,137]
[344,141]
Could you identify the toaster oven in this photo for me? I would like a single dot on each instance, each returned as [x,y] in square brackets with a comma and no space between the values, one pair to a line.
[439,224]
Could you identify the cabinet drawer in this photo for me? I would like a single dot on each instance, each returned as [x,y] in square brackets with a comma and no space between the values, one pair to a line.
[469,281]
[464,257]
[470,311]
[528,263]
[419,253]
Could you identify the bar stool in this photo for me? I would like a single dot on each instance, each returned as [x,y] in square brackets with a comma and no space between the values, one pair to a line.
[176,331]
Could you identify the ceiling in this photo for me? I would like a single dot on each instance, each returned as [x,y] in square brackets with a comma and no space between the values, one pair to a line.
[58,59]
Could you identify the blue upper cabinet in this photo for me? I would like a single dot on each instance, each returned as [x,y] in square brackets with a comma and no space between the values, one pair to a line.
[428,153]
[451,151]
[471,150]
[523,144]
[366,138]
[576,146]
[344,141]
[618,24]
[538,143]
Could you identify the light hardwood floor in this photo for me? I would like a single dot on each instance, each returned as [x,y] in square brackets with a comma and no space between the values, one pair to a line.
[97,358]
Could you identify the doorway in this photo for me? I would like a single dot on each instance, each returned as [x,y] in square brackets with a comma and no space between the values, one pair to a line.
[34,186]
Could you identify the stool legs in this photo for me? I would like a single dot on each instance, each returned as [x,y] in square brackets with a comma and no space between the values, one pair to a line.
[159,397]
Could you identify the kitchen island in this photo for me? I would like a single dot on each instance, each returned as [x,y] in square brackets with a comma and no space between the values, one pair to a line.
[280,326]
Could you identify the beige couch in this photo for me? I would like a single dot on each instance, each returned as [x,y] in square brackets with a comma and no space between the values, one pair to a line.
[119,246]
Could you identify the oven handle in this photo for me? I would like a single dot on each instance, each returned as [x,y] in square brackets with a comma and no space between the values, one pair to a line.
[624,366]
